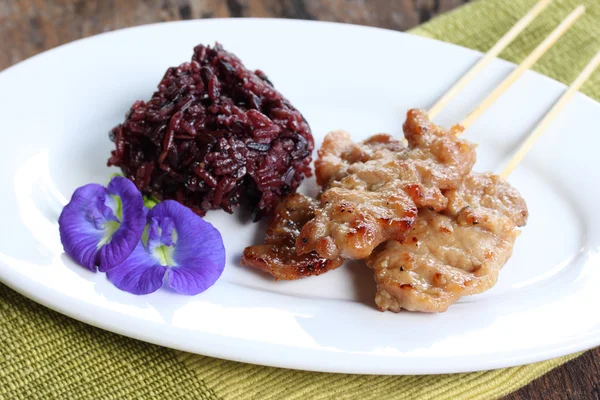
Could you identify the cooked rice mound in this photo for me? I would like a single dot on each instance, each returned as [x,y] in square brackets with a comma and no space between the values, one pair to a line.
[214,134]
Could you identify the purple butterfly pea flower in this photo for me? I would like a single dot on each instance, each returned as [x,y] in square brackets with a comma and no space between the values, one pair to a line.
[176,243]
[100,227]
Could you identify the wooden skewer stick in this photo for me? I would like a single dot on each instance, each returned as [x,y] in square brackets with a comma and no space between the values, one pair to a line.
[556,108]
[525,65]
[489,56]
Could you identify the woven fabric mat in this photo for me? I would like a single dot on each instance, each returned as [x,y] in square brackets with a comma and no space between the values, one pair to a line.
[45,355]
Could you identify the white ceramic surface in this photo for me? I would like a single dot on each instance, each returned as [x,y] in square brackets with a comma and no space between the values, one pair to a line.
[57,108]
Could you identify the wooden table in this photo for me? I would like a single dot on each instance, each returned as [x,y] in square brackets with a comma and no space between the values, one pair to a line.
[28,27]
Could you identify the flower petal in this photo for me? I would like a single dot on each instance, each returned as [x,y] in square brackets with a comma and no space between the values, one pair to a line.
[199,253]
[195,277]
[132,220]
[79,236]
[139,274]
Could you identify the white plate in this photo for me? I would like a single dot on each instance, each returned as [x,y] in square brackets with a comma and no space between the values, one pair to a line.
[57,108]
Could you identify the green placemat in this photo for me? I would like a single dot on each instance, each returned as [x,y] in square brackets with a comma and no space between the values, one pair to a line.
[44,355]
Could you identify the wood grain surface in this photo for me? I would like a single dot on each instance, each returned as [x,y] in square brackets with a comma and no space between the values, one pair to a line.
[28,27]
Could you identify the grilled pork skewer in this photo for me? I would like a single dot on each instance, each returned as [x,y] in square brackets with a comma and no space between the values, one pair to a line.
[378,186]
[377,199]
[402,217]
[459,251]
[278,255]
[452,253]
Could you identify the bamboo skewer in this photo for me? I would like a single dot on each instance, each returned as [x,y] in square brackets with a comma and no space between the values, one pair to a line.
[489,56]
[531,59]
[556,108]
[525,65]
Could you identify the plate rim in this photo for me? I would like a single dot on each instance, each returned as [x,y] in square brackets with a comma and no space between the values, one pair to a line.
[58,307]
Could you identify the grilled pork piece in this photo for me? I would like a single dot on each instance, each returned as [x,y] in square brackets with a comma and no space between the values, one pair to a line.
[278,255]
[374,189]
[451,254]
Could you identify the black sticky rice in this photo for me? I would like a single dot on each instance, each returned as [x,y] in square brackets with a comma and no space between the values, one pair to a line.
[214,134]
